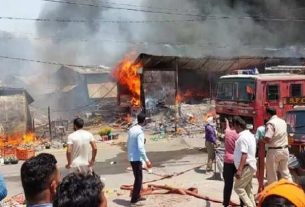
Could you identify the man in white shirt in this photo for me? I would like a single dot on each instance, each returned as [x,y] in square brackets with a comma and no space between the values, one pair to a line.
[78,150]
[245,162]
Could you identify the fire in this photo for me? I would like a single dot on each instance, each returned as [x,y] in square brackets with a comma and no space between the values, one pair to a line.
[210,113]
[17,139]
[188,94]
[29,138]
[126,73]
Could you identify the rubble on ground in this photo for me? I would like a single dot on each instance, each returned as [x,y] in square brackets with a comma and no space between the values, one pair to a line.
[189,119]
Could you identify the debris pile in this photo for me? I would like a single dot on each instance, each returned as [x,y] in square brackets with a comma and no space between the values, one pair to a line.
[187,119]
[14,201]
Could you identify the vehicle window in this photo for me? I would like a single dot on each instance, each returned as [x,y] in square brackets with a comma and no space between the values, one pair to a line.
[296,90]
[226,91]
[246,91]
[236,89]
[296,122]
[273,92]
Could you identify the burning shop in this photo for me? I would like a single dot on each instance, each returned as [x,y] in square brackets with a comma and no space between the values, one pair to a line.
[152,81]
[16,124]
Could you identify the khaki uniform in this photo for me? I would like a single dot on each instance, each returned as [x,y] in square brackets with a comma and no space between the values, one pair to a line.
[211,154]
[277,154]
[243,187]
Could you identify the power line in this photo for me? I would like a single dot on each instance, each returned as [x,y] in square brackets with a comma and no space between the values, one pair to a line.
[99,20]
[46,62]
[212,45]
[144,7]
[31,36]
[204,17]
[95,67]
[117,8]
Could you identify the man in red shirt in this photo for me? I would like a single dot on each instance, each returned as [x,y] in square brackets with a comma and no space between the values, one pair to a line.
[229,169]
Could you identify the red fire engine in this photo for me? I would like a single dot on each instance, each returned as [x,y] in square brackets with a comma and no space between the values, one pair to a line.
[248,96]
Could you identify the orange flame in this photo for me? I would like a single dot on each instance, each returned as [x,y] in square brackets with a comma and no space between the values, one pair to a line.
[17,139]
[188,94]
[126,73]
[29,138]
[210,113]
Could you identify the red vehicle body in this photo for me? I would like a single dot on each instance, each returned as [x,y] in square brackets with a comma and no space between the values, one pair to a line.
[249,95]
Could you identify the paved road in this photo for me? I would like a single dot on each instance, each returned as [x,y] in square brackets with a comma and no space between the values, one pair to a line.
[169,156]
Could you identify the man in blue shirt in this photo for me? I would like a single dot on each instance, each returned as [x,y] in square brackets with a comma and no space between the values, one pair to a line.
[3,189]
[137,154]
[40,177]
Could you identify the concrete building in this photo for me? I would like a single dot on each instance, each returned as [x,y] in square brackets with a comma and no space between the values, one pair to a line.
[14,109]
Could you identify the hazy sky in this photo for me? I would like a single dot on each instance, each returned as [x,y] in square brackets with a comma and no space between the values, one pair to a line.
[29,9]
[105,43]
[32,48]
[19,8]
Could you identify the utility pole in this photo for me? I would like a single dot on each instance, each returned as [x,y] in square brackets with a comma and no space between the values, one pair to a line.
[49,118]
[176,94]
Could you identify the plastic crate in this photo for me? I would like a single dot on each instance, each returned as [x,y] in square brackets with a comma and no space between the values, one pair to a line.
[24,154]
[8,152]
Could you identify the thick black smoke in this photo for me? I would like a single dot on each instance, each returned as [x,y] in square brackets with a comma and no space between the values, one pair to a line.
[266,15]
[248,30]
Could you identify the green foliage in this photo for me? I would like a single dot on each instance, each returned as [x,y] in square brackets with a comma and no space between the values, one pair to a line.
[105,131]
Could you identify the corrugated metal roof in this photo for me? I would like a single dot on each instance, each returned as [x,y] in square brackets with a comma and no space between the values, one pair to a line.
[90,70]
[212,63]
[102,90]
[68,88]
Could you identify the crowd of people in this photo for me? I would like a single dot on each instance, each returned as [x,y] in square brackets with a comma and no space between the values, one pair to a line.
[41,179]
[42,183]
[44,187]
[240,162]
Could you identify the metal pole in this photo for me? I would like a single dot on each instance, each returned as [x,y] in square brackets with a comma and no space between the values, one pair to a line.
[261,166]
[33,125]
[210,84]
[49,118]
[176,93]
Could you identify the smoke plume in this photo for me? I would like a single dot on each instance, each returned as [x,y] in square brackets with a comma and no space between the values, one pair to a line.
[198,28]
[251,28]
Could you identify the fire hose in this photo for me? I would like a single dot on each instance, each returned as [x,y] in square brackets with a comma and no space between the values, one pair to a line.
[153,189]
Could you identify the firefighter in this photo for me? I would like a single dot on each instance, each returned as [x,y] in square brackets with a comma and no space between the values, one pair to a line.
[277,142]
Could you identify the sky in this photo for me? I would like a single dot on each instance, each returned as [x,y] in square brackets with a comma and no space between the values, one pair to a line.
[100,43]
[95,42]
[19,8]
[77,52]
[24,47]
